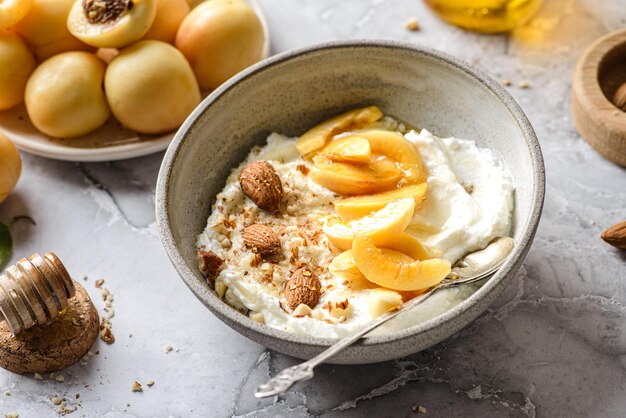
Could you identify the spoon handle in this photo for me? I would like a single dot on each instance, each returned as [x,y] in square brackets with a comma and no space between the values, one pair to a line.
[304,371]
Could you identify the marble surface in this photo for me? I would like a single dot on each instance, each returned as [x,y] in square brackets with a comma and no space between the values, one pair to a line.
[553,345]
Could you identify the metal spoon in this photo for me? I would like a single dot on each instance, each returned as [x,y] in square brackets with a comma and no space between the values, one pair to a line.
[471,268]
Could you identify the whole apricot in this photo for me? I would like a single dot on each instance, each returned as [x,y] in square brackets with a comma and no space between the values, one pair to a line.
[219,38]
[16,65]
[64,96]
[111,23]
[12,11]
[45,29]
[150,87]
[169,15]
[10,166]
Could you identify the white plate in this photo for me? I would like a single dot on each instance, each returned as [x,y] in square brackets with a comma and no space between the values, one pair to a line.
[108,143]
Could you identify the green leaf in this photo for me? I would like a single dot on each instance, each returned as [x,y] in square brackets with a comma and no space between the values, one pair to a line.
[6,243]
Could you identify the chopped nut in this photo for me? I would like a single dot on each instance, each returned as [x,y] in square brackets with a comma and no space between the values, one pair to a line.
[523,84]
[220,288]
[56,400]
[168,348]
[136,387]
[11,415]
[506,82]
[303,169]
[99,283]
[301,311]
[105,331]
[7,393]
[38,376]
[258,317]
[105,293]
[59,378]
[150,382]
[209,264]
[469,188]
[419,409]
[412,24]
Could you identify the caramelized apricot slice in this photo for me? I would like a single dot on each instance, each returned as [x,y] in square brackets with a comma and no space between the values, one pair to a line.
[359,206]
[354,179]
[399,149]
[383,226]
[318,136]
[393,274]
[351,148]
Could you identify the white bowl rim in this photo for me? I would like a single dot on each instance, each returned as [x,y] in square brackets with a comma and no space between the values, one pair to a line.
[495,283]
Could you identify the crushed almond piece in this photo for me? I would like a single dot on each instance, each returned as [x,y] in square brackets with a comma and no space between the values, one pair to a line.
[523,84]
[150,383]
[412,24]
[99,283]
[136,387]
[506,82]
[56,400]
[303,169]
[168,348]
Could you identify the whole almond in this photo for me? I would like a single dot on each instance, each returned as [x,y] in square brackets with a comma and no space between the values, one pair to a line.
[616,235]
[209,264]
[262,185]
[303,288]
[261,239]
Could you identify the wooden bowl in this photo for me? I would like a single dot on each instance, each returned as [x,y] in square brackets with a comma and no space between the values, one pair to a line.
[600,70]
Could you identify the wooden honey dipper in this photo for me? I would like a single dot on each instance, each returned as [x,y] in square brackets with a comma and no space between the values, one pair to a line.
[47,321]
[34,291]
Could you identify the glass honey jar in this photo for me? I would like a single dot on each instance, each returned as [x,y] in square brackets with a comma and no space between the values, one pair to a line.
[488,16]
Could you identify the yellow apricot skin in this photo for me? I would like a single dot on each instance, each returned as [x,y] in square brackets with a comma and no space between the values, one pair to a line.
[10,166]
[380,301]
[64,96]
[351,149]
[399,149]
[355,179]
[383,226]
[220,38]
[129,27]
[150,87]
[389,273]
[169,15]
[12,11]
[318,136]
[45,29]
[16,65]
[359,206]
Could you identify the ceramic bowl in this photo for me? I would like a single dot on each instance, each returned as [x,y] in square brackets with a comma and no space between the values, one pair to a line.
[289,93]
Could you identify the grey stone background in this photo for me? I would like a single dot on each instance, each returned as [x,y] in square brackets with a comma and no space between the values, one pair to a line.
[553,345]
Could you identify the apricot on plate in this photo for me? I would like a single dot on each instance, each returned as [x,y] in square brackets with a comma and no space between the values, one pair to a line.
[64,96]
[150,87]
[355,179]
[10,166]
[219,38]
[318,136]
[383,226]
[12,11]
[395,274]
[111,23]
[16,65]
[45,29]
[169,15]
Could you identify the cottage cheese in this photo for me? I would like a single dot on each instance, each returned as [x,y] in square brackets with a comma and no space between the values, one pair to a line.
[469,202]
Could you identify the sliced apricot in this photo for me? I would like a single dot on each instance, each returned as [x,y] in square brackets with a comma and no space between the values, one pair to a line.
[359,206]
[318,136]
[351,148]
[380,301]
[383,226]
[354,179]
[393,274]
[399,149]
